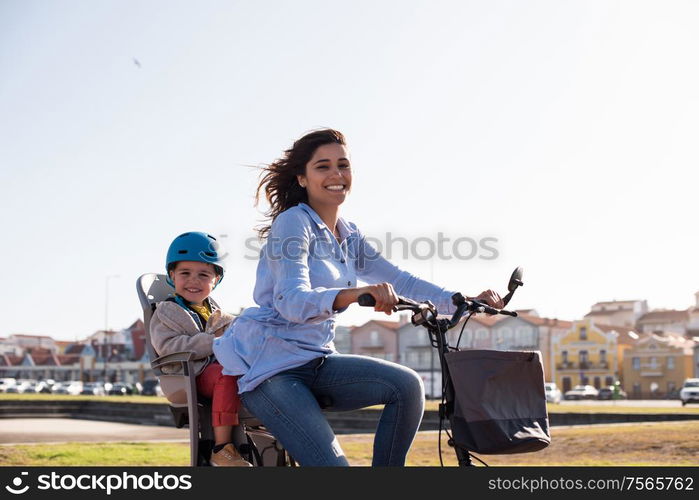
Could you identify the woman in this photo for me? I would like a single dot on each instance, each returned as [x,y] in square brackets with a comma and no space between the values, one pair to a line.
[307,274]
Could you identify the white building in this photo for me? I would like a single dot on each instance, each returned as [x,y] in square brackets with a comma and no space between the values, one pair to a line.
[618,312]
[665,320]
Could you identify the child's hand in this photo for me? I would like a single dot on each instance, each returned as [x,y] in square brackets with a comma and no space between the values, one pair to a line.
[219,322]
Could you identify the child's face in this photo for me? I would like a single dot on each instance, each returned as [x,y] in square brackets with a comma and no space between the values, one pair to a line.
[194,281]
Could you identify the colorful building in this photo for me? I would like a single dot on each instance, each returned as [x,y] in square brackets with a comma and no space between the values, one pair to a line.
[378,339]
[106,356]
[526,332]
[657,365]
[588,353]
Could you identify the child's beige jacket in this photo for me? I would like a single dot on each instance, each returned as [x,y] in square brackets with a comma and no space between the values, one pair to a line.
[172,329]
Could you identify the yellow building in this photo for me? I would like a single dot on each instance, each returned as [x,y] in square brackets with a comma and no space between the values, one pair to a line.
[657,366]
[589,353]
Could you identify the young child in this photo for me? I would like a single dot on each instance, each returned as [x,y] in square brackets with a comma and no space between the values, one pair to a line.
[189,322]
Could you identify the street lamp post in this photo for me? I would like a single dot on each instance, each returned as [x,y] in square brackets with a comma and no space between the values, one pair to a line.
[432,351]
[106,322]
[432,373]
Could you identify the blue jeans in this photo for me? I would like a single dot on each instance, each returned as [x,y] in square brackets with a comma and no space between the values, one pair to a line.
[287,405]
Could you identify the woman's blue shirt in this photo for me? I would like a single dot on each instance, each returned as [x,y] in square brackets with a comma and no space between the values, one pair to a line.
[301,270]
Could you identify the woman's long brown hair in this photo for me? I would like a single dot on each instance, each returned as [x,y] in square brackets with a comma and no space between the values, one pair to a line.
[279,181]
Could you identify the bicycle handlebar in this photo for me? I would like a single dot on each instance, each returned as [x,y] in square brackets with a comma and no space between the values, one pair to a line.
[462,304]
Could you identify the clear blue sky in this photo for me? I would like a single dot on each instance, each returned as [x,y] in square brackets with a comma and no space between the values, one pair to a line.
[565,129]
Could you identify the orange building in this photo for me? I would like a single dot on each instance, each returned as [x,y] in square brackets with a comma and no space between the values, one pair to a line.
[657,365]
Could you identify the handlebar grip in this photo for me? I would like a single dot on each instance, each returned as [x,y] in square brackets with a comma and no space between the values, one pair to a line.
[366,300]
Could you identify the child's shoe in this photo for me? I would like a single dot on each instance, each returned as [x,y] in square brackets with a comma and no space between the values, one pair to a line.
[228,456]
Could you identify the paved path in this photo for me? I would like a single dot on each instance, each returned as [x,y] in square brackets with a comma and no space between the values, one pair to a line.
[651,403]
[60,430]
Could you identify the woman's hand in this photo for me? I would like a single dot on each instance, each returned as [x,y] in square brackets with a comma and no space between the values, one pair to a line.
[385,296]
[491,298]
[383,293]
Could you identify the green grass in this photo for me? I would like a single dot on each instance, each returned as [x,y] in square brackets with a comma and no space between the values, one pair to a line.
[606,408]
[96,454]
[583,408]
[646,444]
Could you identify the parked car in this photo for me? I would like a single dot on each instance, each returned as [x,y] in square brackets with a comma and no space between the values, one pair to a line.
[120,389]
[93,389]
[72,387]
[151,387]
[22,386]
[553,393]
[6,383]
[608,393]
[581,392]
[38,387]
[56,387]
[45,386]
[690,391]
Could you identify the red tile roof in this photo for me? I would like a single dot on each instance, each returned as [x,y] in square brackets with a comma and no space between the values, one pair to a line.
[68,359]
[45,360]
[27,336]
[136,324]
[623,332]
[75,349]
[536,320]
[526,311]
[489,321]
[664,315]
[604,303]
[606,313]
[14,360]
[560,323]
[41,351]
[671,339]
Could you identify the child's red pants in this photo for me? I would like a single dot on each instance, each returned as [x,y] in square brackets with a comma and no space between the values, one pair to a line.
[223,392]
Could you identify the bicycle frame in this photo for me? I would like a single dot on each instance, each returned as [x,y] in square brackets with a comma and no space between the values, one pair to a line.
[446,406]
[437,330]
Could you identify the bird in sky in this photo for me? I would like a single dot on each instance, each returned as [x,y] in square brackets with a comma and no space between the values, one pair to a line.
[136,62]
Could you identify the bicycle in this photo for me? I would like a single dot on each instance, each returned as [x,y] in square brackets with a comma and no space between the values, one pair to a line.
[526,421]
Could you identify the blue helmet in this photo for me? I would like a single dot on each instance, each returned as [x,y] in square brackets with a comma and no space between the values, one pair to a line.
[197,247]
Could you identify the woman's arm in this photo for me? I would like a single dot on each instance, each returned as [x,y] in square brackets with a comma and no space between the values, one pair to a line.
[372,267]
[287,252]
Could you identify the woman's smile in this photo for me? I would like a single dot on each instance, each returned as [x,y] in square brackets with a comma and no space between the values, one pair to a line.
[328,177]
